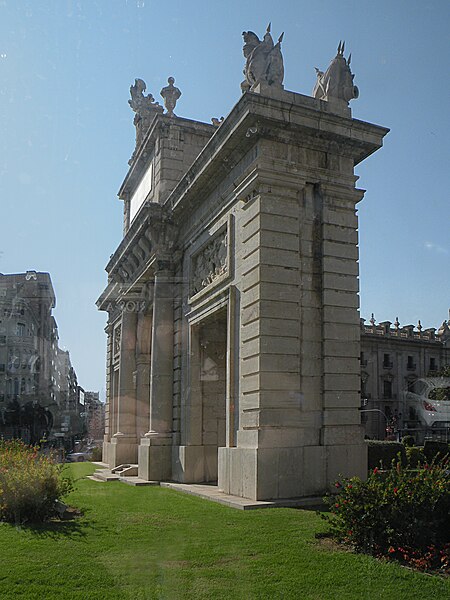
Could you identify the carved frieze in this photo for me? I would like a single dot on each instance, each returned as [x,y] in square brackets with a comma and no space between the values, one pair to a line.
[210,263]
[116,340]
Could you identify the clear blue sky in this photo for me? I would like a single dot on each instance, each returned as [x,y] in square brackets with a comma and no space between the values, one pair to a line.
[66,133]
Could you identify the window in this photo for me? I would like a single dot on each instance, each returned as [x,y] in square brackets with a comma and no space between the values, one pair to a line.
[14,362]
[433,366]
[2,367]
[387,363]
[387,389]
[20,329]
[363,360]
[410,364]
[363,388]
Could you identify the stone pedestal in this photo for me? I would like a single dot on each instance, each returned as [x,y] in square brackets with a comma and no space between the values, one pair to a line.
[155,459]
[122,450]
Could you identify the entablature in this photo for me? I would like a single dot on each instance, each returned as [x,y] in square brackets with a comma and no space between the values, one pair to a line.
[148,246]
[285,117]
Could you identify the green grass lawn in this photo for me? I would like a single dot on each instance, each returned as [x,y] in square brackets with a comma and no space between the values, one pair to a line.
[152,542]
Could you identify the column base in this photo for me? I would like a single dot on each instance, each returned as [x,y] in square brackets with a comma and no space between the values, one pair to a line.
[154,460]
[105,451]
[279,473]
[122,450]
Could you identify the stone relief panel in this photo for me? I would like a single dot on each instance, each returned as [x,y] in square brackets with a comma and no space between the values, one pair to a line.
[116,341]
[210,264]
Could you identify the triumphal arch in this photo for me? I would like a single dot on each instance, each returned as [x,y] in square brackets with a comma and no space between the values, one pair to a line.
[232,300]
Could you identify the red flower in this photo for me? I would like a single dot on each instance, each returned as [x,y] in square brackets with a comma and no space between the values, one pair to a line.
[375,471]
[391,549]
[337,485]
[395,490]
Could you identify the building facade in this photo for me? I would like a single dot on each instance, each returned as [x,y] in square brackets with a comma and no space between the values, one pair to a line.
[94,413]
[393,359]
[38,385]
[232,300]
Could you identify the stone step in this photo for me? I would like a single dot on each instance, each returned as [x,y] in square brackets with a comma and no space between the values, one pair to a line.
[136,481]
[130,471]
[103,475]
[121,468]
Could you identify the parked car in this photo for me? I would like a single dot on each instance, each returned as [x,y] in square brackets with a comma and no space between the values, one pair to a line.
[78,457]
[430,402]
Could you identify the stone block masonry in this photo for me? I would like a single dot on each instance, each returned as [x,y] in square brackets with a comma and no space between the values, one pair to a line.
[246,359]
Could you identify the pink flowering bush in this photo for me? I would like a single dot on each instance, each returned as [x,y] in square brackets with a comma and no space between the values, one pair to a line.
[30,483]
[401,513]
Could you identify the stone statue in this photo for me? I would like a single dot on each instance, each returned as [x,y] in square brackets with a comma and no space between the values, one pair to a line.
[337,81]
[170,93]
[264,60]
[145,108]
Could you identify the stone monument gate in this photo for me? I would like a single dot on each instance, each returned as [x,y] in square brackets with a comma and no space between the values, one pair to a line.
[233,330]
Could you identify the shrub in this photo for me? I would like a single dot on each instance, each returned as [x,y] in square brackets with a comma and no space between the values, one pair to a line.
[30,483]
[399,513]
[435,450]
[381,454]
[96,454]
[408,441]
[415,456]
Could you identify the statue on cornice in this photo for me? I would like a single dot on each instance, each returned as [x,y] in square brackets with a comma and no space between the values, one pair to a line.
[264,60]
[145,108]
[170,94]
[337,81]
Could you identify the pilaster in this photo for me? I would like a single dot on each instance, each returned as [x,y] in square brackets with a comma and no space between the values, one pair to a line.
[155,452]
[124,442]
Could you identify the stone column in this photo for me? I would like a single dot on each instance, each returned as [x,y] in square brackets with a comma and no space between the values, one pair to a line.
[156,447]
[109,393]
[144,337]
[124,441]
